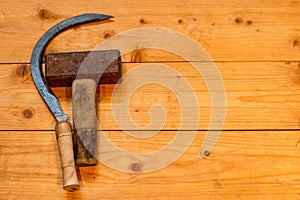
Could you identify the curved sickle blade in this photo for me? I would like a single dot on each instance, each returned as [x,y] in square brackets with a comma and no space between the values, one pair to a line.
[37,55]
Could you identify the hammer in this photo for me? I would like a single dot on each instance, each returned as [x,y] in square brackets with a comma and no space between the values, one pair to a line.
[63,128]
[82,71]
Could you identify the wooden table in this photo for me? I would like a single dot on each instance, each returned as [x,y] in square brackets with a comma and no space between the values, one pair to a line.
[256,48]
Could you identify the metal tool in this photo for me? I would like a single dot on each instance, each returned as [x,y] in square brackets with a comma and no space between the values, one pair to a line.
[82,71]
[63,128]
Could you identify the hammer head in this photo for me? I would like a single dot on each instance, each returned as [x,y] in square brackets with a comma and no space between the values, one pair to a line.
[62,68]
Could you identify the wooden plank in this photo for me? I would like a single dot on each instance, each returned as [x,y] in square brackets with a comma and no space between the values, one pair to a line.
[243,165]
[252,30]
[259,95]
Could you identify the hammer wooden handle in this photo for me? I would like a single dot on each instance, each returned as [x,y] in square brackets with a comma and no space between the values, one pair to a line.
[85,121]
[65,145]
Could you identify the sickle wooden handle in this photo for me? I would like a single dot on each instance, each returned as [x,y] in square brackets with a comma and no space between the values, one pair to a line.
[65,145]
[85,121]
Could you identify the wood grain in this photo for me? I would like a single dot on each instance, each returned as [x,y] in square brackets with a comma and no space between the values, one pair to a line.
[259,42]
[259,95]
[229,30]
[243,165]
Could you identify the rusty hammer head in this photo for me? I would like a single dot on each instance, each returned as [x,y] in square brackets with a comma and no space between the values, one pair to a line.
[61,69]
[82,71]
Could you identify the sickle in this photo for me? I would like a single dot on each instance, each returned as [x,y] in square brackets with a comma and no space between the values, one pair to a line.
[37,55]
[63,128]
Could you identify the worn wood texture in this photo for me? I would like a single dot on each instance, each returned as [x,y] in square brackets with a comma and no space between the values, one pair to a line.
[255,45]
[244,165]
[85,121]
[260,95]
